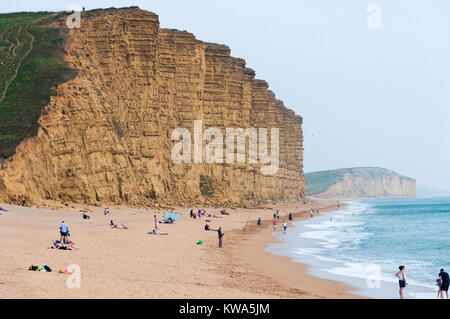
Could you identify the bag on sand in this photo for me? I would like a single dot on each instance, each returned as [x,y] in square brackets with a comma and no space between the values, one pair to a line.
[34,268]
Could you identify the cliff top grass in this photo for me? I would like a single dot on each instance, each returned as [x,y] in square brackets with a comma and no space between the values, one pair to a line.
[31,66]
[319,182]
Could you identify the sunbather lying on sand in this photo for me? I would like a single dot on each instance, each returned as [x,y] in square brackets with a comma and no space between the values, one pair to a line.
[58,245]
[167,221]
[207,227]
[224,212]
[121,226]
[157,232]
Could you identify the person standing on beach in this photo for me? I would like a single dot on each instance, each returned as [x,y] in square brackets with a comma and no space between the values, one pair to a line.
[274,224]
[259,222]
[156,222]
[284,226]
[63,230]
[401,280]
[443,276]
[274,215]
[220,233]
[290,217]
[24,201]
[311,213]
[278,214]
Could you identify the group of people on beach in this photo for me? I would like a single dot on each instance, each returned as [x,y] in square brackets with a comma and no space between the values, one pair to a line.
[311,212]
[442,282]
[202,212]
[276,217]
[64,242]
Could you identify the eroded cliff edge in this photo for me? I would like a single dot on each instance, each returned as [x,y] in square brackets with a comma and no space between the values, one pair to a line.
[106,136]
[359,183]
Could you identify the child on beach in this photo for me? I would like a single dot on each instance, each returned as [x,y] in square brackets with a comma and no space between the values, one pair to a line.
[401,280]
[438,284]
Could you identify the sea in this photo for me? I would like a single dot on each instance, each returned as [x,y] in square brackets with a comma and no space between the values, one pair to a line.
[364,243]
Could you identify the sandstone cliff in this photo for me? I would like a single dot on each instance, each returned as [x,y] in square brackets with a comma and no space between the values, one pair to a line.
[106,136]
[354,183]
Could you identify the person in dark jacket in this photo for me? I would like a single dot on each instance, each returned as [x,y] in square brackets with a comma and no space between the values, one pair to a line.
[443,276]
[220,233]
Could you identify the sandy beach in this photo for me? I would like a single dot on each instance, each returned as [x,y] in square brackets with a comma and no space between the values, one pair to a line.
[129,263]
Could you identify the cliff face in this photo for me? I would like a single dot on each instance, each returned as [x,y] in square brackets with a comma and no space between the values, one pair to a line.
[360,183]
[106,136]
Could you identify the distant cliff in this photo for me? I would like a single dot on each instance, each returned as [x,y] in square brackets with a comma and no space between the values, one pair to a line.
[354,183]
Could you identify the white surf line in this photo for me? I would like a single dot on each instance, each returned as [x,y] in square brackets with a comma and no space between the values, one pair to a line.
[17,68]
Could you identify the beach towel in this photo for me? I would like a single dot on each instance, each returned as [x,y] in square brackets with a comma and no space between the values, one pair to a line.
[200,242]
[175,216]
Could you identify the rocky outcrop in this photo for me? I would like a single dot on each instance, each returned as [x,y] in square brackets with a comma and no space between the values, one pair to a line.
[359,183]
[106,136]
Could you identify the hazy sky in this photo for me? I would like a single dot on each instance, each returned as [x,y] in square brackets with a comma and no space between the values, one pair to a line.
[368,97]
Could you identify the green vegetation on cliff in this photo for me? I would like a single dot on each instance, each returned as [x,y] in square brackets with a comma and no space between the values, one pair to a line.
[31,66]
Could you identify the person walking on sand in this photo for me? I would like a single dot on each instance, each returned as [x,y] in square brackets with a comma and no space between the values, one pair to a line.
[259,222]
[284,226]
[274,224]
[311,213]
[63,230]
[290,217]
[443,276]
[156,222]
[401,281]
[220,233]
[278,214]
[274,215]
